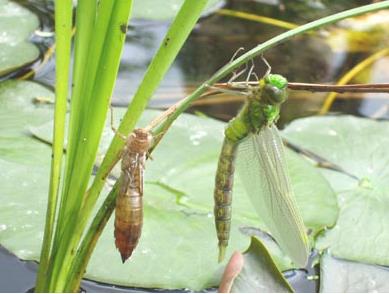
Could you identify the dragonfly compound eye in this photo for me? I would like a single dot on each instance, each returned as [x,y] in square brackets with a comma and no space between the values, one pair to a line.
[274,91]
[277,81]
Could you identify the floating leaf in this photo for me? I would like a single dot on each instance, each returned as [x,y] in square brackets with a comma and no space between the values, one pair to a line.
[165,9]
[178,247]
[360,147]
[16,25]
[341,276]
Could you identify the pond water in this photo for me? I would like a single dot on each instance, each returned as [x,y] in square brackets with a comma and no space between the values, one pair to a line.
[322,57]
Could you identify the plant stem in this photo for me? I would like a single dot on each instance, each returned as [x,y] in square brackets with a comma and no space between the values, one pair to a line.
[89,241]
[351,74]
[172,43]
[63,30]
[110,20]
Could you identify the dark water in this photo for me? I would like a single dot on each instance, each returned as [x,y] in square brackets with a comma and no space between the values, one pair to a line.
[308,58]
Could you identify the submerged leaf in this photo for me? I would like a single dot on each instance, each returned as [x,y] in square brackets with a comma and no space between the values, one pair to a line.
[16,25]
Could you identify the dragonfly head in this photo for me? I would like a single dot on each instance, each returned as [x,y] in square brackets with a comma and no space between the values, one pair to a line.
[274,89]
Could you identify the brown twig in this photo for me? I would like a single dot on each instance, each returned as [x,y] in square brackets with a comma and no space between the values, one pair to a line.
[359,88]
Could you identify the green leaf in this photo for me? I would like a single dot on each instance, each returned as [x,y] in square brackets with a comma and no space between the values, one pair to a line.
[16,25]
[360,147]
[17,114]
[178,247]
[165,10]
[259,273]
[341,276]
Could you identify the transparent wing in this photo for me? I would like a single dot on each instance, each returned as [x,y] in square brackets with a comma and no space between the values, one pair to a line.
[262,166]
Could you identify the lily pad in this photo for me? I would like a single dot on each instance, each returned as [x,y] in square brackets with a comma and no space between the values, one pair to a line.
[16,25]
[178,247]
[341,276]
[259,273]
[165,9]
[360,147]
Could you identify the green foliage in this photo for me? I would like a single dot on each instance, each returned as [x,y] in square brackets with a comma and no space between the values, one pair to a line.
[177,215]
[98,42]
[100,35]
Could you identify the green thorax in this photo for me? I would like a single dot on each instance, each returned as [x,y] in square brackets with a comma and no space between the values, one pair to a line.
[262,108]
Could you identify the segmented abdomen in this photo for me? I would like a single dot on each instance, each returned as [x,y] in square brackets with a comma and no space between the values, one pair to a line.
[223,194]
[129,203]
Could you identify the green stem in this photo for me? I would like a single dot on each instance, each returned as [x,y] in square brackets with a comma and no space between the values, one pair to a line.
[172,43]
[89,241]
[92,123]
[85,19]
[63,30]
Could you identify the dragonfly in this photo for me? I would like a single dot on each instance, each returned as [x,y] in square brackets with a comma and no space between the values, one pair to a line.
[252,140]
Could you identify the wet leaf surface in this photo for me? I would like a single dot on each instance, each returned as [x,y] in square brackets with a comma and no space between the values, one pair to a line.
[341,276]
[178,247]
[16,25]
[360,147]
[163,9]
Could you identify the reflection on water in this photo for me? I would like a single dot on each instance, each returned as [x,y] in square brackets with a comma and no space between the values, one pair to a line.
[309,58]
[322,57]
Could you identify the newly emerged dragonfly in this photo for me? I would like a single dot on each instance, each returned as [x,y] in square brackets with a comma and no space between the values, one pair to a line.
[129,202]
[253,139]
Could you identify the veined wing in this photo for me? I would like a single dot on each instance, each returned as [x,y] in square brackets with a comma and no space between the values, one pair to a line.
[262,167]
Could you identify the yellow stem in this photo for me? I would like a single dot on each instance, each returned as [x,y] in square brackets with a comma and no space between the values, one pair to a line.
[329,100]
[258,18]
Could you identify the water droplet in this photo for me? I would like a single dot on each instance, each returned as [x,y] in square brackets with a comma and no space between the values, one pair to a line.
[195,138]
[3,227]
[29,212]
[332,133]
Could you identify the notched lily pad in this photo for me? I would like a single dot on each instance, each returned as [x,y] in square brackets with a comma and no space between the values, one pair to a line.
[360,147]
[16,25]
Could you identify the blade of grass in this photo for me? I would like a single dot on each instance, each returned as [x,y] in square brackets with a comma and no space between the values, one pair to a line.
[85,18]
[329,100]
[92,124]
[89,241]
[176,36]
[258,18]
[172,43]
[81,103]
[63,30]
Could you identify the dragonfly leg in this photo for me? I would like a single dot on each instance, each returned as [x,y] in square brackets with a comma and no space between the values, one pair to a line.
[267,65]
[236,53]
[235,74]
